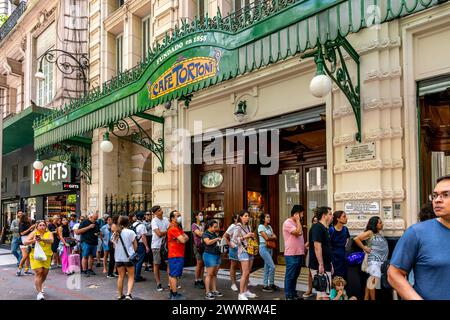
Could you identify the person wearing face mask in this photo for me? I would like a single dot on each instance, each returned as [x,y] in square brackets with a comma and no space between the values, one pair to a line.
[176,239]
[198,228]
[45,239]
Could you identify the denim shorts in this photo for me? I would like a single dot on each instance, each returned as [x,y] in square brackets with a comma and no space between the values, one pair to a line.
[211,260]
[105,247]
[244,256]
[233,254]
[176,266]
[88,250]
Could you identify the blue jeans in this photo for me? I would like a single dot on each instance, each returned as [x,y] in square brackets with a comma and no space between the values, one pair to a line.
[138,267]
[15,248]
[269,265]
[293,268]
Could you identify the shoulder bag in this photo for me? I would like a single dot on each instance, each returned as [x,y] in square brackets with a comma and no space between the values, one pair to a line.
[271,244]
[133,258]
[252,245]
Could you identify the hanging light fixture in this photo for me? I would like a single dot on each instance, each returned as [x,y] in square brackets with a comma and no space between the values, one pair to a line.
[321,84]
[38,165]
[106,145]
[241,110]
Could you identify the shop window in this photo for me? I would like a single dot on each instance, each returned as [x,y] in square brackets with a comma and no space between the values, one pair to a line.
[15,173]
[119,54]
[26,172]
[146,36]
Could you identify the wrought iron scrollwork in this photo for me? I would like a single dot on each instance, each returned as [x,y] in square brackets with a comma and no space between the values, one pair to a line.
[77,156]
[122,130]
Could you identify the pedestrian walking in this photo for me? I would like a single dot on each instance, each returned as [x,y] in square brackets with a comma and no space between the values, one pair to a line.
[176,239]
[148,226]
[320,254]
[211,258]
[267,242]
[198,227]
[105,235]
[63,233]
[16,241]
[41,237]
[424,249]
[308,293]
[125,245]
[76,236]
[294,251]
[25,228]
[376,250]
[241,237]
[112,270]
[89,231]
[52,227]
[143,248]
[160,225]
[233,252]
[339,236]
[100,222]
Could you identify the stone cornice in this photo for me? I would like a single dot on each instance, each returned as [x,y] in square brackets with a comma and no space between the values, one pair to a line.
[369,105]
[379,74]
[389,224]
[370,195]
[369,136]
[369,165]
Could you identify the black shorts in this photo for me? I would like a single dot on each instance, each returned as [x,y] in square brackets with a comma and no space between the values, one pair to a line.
[124,264]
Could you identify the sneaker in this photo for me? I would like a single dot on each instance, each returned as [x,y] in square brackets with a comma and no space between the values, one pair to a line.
[85,273]
[242,296]
[28,273]
[307,295]
[210,296]
[147,269]
[249,294]
[267,289]
[159,287]
[178,286]
[202,284]
[217,293]
[177,296]
[19,272]
[110,276]
[40,296]
[141,279]
[275,287]
[121,298]
[128,297]
[234,287]
[59,266]
[116,274]
[91,272]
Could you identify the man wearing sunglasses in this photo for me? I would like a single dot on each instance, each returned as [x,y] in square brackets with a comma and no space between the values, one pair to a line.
[424,248]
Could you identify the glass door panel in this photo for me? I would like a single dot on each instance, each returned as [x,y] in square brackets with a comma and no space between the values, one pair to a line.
[316,190]
[289,194]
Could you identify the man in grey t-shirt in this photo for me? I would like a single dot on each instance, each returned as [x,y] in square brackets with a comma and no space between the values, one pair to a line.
[16,242]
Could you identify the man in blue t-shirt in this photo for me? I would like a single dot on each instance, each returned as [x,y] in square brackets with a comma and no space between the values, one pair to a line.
[425,249]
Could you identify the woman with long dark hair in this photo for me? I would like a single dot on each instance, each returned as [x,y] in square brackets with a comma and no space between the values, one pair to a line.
[25,229]
[266,234]
[232,252]
[198,228]
[211,258]
[339,236]
[53,227]
[125,245]
[63,233]
[241,236]
[377,251]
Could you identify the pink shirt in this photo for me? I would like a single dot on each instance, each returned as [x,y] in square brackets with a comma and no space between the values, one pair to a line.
[293,246]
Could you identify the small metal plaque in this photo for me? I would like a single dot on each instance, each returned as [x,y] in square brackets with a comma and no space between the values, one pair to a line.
[360,152]
[361,207]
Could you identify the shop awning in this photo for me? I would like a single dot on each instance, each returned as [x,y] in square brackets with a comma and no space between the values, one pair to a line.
[18,130]
[212,50]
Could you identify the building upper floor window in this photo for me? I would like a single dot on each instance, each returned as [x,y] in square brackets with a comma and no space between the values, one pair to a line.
[120,2]
[15,173]
[119,53]
[4,185]
[26,172]
[202,8]
[45,87]
[146,36]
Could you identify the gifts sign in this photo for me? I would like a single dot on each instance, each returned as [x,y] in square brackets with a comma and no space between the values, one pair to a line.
[38,175]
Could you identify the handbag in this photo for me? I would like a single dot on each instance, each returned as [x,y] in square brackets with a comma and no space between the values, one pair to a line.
[252,245]
[39,253]
[321,282]
[271,244]
[134,258]
[364,264]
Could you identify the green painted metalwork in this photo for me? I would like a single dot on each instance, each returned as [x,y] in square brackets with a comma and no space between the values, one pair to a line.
[331,51]
[254,37]
[122,130]
[75,152]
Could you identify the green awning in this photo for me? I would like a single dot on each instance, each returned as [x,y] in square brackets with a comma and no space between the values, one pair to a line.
[18,130]
[242,42]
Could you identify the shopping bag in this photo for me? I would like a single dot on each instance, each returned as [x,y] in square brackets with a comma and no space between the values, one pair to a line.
[39,253]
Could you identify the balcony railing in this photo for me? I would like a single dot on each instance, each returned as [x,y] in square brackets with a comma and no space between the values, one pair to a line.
[12,20]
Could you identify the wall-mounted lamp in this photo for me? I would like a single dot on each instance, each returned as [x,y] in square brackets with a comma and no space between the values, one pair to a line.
[106,145]
[241,111]
[38,165]
[321,84]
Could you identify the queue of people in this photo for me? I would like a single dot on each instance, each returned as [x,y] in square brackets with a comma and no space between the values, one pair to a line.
[417,270]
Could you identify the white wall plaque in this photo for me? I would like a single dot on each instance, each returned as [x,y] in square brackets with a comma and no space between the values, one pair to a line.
[360,152]
[361,207]
[92,202]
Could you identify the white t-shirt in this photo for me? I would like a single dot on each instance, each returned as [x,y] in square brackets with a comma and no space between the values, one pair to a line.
[76,226]
[141,230]
[230,230]
[162,225]
[128,237]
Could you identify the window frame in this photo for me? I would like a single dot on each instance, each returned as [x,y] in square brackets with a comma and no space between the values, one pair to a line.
[146,35]
[45,89]
[119,53]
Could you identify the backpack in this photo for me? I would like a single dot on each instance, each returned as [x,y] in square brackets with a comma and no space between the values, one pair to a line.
[384,276]
[134,228]
[164,250]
